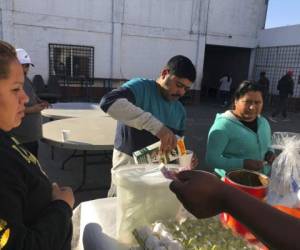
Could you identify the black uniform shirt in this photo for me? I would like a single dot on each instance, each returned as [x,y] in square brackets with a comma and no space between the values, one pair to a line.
[29,219]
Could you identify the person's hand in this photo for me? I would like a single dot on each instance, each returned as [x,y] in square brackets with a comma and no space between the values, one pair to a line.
[194,162]
[270,157]
[168,140]
[254,165]
[37,107]
[200,192]
[63,193]
[45,104]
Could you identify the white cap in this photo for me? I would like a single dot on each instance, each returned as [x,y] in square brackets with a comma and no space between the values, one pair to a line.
[23,56]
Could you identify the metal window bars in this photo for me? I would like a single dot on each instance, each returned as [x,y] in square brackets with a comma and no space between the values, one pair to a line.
[71,63]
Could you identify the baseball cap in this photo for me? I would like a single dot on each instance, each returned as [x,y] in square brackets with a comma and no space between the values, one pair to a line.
[23,56]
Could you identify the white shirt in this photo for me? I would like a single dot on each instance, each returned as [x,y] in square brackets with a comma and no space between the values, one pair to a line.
[225,84]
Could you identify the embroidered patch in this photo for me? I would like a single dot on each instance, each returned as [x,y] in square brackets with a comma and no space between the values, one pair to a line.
[4,233]
[29,157]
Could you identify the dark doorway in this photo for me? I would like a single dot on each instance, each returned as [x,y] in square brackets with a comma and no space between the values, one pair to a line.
[220,60]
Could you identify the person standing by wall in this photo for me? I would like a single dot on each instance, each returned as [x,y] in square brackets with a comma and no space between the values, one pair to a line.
[224,90]
[264,83]
[286,88]
[30,131]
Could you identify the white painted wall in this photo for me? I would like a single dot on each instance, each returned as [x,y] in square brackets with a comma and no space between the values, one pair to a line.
[282,36]
[131,37]
[235,22]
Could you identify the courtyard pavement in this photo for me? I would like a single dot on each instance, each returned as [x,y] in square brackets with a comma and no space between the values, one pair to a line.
[200,118]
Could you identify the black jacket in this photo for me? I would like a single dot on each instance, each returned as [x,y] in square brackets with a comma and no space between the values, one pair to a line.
[285,86]
[29,219]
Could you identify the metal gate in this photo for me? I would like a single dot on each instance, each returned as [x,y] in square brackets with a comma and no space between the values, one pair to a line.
[276,61]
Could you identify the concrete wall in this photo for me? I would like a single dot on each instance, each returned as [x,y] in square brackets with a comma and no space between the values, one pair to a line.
[282,36]
[131,37]
[235,22]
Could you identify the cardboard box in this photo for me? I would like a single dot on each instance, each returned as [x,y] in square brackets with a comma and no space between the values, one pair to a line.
[151,154]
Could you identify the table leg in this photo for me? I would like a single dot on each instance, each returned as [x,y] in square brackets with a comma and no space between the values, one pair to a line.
[52,153]
[84,156]
[69,158]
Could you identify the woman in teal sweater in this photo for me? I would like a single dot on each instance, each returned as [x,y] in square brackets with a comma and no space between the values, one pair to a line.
[241,137]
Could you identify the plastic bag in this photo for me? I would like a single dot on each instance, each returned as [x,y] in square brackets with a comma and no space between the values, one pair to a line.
[285,176]
[143,198]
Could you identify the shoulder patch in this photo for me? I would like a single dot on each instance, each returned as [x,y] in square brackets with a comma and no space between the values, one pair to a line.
[4,233]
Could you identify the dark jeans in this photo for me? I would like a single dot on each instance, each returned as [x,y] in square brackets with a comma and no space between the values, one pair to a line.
[32,147]
[224,97]
[281,107]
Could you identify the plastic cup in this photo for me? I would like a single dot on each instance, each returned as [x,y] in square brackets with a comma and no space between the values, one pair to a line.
[185,161]
[65,135]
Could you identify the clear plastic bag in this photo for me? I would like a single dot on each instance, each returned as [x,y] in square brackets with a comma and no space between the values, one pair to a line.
[143,198]
[285,176]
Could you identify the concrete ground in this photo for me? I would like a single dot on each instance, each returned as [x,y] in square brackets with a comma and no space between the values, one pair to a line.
[200,118]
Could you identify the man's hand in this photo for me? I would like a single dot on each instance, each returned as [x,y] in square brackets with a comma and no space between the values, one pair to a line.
[254,165]
[45,104]
[168,140]
[63,193]
[200,192]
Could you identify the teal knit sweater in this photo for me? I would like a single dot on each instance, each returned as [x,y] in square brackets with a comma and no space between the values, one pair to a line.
[230,142]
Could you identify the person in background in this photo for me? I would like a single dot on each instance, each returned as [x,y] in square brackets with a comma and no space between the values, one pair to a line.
[148,111]
[224,90]
[285,87]
[30,131]
[34,213]
[204,195]
[241,137]
[264,83]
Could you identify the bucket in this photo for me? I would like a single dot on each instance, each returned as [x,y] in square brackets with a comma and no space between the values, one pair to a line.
[143,197]
[251,182]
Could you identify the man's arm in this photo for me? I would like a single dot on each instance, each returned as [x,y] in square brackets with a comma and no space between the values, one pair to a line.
[204,195]
[120,104]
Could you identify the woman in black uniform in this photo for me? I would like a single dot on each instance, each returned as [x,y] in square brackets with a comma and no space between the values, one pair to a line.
[34,214]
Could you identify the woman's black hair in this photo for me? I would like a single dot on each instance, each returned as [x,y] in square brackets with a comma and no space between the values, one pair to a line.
[244,88]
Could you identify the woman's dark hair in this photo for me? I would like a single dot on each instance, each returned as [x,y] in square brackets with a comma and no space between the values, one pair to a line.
[7,55]
[244,88]
[182,67]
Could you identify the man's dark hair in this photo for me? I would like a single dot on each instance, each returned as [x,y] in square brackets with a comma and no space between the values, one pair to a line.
[182,67]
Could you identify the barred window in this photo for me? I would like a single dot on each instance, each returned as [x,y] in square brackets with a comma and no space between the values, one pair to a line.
[71,61]
[276,61]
